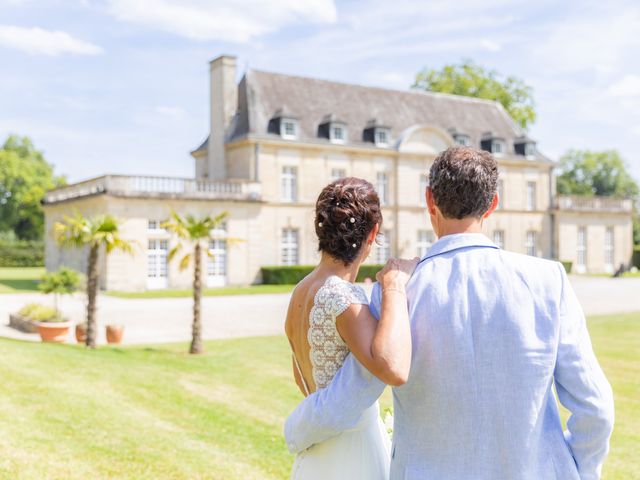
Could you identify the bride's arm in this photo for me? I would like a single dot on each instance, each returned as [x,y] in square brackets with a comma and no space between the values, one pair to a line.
[383,347]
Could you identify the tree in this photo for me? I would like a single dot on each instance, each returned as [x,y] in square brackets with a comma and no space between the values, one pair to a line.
[469,79]
[25,176]
[583,172]
[193,231]
[63,282]
[100,232]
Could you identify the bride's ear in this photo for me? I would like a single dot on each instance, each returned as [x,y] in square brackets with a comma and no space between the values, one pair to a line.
[373,234]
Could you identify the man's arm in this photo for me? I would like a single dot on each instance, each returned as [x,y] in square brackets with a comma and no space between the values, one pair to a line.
[582,388]
[339,406]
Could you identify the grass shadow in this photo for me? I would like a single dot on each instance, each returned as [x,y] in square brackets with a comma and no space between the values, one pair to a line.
[20,284]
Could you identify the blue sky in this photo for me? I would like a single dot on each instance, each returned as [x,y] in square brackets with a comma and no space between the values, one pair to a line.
[121,86]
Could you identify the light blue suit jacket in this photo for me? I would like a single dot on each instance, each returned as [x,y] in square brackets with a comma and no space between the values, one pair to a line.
[493,332]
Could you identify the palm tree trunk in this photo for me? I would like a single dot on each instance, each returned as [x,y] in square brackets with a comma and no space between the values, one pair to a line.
[196,328]
[92,291]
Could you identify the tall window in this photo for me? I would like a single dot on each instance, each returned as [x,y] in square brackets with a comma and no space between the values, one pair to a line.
[383,249]
[424,183]
[217,260]
[154,225]
[289,184]
[337,173]
[382,185]
[582,249]
[609,249]
[531,195]
[289,246]
[500,194]
[157,258]
[497,146]
[498,238]
[531,244]
[425,240]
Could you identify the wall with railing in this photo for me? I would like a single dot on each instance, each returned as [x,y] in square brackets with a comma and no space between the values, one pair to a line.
[152,186]
[593,204]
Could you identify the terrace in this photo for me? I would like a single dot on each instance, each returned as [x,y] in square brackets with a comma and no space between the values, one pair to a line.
[145,186]
[593,204]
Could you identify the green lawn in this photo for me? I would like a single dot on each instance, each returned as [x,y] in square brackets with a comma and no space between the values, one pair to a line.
[156,412]
[20,279]
[207,292]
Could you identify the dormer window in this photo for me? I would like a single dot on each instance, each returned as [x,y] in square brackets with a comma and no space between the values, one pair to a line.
[493,144]
[460,138]
[337,133]
[333,129]
[289,128]
[377,133]
[382,136]
[284,124]
[525,146]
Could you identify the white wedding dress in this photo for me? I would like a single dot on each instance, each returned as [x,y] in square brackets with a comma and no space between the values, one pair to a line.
[361,453]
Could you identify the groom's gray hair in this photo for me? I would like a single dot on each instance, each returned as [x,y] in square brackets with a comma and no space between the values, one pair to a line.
[463,181]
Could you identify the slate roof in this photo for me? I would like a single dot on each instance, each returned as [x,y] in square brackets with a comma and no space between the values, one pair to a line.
[262,95]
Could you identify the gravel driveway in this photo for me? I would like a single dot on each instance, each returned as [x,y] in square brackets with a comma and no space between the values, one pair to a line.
[169,319]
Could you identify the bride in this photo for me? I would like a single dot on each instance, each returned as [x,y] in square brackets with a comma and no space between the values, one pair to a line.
[328,317]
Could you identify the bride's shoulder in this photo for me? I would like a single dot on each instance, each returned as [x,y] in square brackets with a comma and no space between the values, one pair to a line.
[339,294]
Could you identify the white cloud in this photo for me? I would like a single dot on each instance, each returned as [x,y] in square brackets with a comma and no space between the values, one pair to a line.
[38,41]
[227,20]
[597,38]
[628,86]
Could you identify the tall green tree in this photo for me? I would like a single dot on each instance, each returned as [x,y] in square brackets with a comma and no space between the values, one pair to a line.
[472,80]
[100,232]
[25,176]
[585,172]
[194,234]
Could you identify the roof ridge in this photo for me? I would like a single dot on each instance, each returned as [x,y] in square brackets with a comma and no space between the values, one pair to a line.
[410,91]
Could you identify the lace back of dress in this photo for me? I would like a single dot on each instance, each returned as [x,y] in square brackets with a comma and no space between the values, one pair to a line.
[328,350]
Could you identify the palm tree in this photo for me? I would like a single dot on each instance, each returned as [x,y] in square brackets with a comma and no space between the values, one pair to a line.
[102,231]
[194,231]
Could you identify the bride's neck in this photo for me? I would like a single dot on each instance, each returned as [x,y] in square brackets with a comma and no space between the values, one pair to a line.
[329,266]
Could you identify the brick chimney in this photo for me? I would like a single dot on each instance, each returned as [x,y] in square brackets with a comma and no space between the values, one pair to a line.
[224,103]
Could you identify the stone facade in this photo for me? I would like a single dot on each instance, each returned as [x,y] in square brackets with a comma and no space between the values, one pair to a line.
[268,183]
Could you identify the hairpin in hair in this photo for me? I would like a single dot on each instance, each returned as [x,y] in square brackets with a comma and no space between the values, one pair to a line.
[354,245]
[320,224]
[352,220]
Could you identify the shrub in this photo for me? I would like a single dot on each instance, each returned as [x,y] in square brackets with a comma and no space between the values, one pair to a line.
[368,271]
[567,264]
[285,275]
[21,253]
[635,259]
[40,313]
[293,274]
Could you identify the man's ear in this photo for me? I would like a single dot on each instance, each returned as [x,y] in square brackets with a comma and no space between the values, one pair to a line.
[431,203]
[494,205]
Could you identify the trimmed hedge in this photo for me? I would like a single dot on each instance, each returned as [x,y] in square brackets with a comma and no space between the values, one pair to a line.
[635,258]
[293,274]
[21,253]
[567,264]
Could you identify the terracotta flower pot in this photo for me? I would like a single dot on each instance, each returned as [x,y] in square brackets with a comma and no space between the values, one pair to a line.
[56,332]
[81,332]
[115,333]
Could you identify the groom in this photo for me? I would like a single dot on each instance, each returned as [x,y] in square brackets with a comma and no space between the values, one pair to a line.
[493,333]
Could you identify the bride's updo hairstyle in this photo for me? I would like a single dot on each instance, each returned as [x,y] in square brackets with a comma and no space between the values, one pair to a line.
[346,212]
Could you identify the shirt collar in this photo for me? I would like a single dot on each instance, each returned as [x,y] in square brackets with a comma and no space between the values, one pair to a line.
[457,241]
